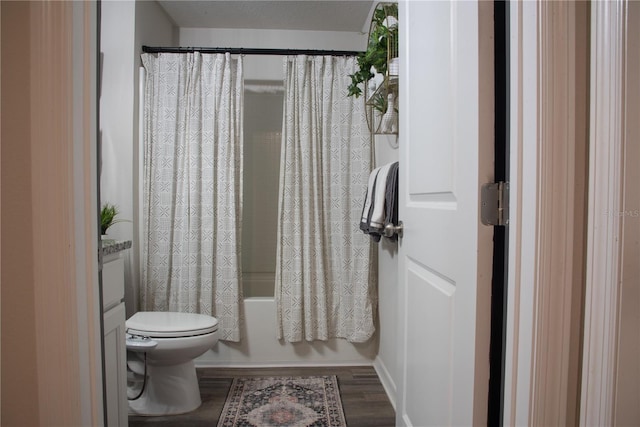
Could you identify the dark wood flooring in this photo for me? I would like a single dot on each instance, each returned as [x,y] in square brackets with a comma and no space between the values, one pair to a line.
[364,400]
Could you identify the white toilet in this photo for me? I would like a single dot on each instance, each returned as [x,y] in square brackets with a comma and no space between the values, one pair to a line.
[169,341]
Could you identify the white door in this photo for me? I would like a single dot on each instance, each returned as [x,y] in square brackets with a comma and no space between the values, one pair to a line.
[446,153]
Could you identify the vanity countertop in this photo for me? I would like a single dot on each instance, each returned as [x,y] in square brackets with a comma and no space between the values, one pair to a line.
[114,246]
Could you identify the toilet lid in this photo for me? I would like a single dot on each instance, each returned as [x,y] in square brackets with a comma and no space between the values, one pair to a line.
[161,324]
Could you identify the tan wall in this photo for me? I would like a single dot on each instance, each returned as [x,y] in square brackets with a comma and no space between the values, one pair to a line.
[19,374]
[52,199]
[49,337]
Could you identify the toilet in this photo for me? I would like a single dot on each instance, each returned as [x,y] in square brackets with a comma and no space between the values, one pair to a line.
[169,342]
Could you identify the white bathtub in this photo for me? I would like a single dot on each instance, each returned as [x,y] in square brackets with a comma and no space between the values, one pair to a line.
[260,347]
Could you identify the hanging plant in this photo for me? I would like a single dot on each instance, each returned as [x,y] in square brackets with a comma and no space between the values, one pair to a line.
[383,38]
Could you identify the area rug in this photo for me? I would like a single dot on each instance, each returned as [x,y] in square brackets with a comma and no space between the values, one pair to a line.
[283,402]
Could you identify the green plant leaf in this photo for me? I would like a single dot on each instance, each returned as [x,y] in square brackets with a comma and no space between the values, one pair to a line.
[108,216]
[376,54]
[380,103]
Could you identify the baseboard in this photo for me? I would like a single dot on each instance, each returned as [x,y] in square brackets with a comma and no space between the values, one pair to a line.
[288,364]
[387,380]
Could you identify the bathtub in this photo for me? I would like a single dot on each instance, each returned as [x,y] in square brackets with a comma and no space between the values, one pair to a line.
[259,346]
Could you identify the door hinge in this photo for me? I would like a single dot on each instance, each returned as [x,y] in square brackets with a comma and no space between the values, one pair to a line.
[494,200]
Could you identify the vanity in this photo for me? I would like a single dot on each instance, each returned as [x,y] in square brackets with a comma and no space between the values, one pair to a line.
[114,316]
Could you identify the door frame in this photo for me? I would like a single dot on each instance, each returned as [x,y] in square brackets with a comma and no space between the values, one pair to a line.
[501,70]
[547,220]
[613,215]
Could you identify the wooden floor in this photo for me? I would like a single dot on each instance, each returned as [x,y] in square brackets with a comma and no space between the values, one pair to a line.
[364,400]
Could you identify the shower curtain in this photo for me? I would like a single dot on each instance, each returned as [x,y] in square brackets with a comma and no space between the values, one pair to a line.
[326,282]
[193,186]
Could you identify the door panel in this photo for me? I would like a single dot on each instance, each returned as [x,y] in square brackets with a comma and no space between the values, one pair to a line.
[446,147]
[432,361]
[435,81]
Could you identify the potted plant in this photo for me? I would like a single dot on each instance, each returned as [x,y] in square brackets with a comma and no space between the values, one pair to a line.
[383,44]
[108,216]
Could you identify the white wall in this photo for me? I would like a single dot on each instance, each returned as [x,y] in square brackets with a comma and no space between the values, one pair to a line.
[116,118]
[126,26]
[386,362]
[270,67]
[116,111]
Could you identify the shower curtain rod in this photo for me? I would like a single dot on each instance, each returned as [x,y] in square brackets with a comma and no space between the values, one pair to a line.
[249,51]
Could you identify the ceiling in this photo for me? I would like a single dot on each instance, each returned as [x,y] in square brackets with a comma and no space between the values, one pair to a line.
[326,15]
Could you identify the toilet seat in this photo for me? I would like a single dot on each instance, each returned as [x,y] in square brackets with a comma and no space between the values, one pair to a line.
[161,324]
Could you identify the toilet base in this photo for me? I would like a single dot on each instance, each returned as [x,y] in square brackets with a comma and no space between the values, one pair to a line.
[170,390]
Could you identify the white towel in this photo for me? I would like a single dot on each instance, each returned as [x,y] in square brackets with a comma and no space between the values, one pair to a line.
[364,221]
[377,216]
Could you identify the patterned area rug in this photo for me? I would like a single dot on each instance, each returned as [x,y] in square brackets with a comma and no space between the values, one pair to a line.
[283,402]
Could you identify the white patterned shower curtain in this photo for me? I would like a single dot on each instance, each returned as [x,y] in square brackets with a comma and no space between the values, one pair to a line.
[326,282]
[193,186]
